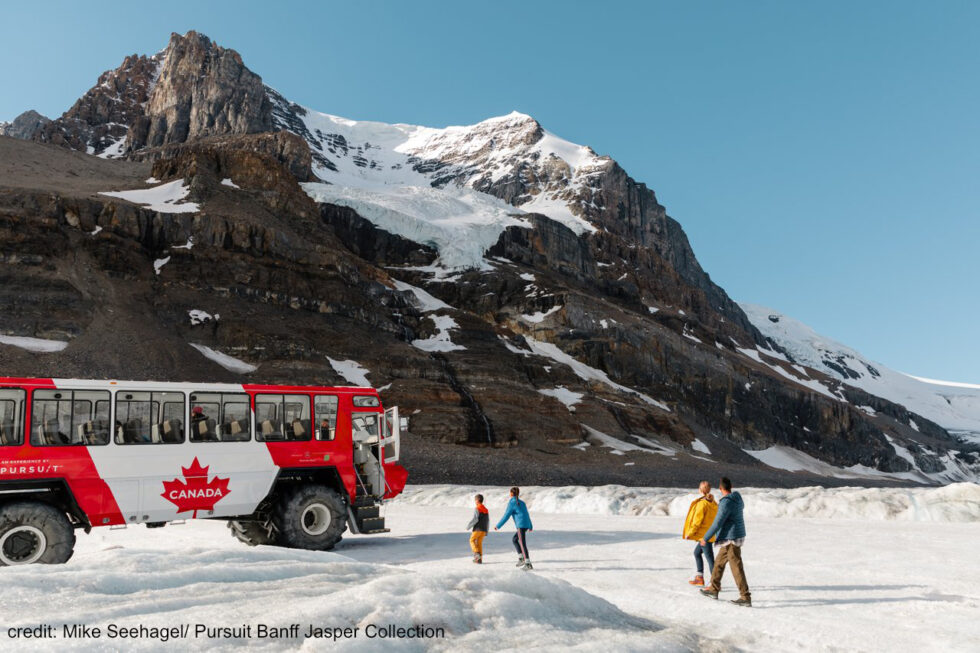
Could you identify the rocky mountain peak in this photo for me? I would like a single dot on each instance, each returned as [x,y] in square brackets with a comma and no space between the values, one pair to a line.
[24,125]
[193,88]
[99,120]
[203,90]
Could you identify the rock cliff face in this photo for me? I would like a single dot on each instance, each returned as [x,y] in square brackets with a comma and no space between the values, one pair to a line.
[585,336]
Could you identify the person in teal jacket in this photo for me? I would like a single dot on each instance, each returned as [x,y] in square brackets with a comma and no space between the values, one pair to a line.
[522,520]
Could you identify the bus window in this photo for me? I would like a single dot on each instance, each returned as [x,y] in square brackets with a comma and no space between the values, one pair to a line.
[69,417]
[325,414]
[282,417]
[12,417]
[364,427]
[142,419]
[220,417]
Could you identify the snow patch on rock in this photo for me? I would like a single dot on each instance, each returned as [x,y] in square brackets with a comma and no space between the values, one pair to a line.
[224,360]
[587,372]
[564,395]
[440,341]
[425,301]
[352,372]
[166,198]
[36,345]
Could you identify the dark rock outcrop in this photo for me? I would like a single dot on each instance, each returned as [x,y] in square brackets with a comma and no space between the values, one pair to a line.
[24,125]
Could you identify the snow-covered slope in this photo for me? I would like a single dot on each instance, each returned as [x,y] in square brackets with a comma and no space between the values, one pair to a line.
[954,406]
[430,185]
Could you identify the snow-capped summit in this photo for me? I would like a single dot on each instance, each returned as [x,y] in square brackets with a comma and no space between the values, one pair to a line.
[954,406]
[443,186]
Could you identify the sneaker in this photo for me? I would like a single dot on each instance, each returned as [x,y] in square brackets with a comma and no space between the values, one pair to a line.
[520,561]
[745,603]
[527,566]
[698,580]
[710,593]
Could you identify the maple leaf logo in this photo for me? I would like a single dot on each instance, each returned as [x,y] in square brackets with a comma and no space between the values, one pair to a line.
[197,493]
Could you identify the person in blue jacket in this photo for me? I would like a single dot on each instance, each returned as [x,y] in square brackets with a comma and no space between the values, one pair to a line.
[729,526]
[522,520]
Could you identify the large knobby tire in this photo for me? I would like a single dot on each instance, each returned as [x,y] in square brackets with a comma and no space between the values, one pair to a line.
[251,533]
[34,532]
[311,517]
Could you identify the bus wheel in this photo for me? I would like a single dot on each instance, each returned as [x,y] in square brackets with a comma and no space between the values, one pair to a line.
[34,532]
[251,533]
[312,517]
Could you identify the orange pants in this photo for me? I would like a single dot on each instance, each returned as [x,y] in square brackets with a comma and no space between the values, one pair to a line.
[476,541]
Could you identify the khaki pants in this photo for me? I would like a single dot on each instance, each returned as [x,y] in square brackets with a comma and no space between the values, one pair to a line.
[733,554]
[476,541]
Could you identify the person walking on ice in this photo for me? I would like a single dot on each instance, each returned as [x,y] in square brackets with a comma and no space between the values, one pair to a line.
[729,526]
[522,520]
[480,524]
[699,517]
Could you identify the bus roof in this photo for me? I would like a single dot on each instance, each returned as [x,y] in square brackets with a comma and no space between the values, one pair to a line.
[186,386]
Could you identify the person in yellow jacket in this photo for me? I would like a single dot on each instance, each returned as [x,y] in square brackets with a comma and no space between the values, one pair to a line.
[699,517]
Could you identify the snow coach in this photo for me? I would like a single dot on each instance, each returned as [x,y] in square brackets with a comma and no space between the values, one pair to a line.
[293,466]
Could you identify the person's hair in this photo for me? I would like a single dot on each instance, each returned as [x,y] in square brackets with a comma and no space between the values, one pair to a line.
[479,498]
[725,484]
[515,491]
[703,483]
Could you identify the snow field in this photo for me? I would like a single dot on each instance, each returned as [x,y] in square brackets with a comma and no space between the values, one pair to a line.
[959,502]
[602,582]
[461,223]
[196,573]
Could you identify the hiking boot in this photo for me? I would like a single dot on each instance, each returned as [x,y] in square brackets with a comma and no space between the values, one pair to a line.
[527,566]
[710,593]
[698,580]
[745,603]
[520,561]
[478,558]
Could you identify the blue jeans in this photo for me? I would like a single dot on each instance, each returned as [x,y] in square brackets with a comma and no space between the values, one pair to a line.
[709,555]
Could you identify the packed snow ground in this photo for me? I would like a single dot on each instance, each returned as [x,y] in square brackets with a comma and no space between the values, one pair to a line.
[608,577]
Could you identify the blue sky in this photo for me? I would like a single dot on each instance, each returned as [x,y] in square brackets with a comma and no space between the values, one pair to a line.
[822,157]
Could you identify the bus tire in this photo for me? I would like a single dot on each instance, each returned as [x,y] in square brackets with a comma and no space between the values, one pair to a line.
[251,533]
[34,532]
[311,517]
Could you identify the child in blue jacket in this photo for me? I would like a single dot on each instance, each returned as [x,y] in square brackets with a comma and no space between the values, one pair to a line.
[522,520]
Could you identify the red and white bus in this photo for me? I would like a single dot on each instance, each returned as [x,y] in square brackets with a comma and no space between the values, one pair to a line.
[292,466]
